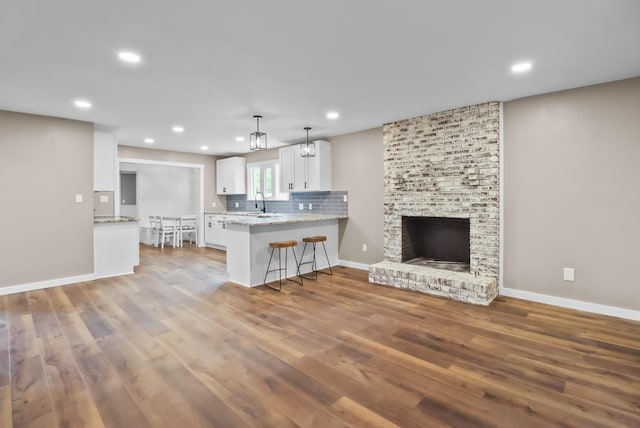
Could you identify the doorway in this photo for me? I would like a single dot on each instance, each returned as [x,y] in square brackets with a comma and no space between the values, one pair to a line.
[169,189]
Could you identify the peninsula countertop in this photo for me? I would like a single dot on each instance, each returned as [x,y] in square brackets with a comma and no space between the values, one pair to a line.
[260,219]
[113,219]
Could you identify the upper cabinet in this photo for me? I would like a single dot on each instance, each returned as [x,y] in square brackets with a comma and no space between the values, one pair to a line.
[292,169]
[231,176]
[300,174]
[104,161]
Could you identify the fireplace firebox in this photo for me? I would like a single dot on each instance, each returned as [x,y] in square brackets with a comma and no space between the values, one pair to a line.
[438,242]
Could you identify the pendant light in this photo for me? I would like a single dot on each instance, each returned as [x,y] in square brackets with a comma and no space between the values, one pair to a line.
[308,150]
[258,140]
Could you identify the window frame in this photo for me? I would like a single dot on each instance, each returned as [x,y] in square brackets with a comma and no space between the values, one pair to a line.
[275,164]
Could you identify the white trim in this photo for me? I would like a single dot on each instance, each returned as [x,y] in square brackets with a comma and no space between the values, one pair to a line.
[277,169]
[579,305]
[199,166]
[200,230]
[501,196]
[164,163]
[30,286]
[354,265]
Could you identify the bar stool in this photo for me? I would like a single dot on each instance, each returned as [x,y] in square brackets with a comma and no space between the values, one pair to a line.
[280,245]
[313,240]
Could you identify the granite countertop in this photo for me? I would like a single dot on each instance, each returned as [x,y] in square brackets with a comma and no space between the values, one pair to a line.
[259,219]
[113,219]
[242,213]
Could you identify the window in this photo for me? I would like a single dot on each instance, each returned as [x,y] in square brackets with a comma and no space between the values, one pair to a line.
[264,177]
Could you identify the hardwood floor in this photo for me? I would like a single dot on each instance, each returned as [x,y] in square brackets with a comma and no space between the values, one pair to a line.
[176,346]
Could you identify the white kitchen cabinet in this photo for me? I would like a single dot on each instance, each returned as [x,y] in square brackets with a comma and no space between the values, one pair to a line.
[215,233]
[105,149]
[300,174]
[292,169]
[231,176]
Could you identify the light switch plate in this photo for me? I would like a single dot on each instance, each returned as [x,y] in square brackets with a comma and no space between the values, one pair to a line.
[568,274]
[237,204]
[213,204]
[300,206]
[310,206]
[104,199]
[344,198]
[79,198]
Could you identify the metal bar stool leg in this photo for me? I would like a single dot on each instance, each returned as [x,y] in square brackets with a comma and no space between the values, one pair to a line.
[273,270]
[311,262]
[328,262]
[297,268]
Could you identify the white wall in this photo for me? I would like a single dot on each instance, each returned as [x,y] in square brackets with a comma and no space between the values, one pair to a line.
[212,201]
[164,190]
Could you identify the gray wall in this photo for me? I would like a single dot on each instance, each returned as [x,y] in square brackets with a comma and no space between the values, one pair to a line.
[208,161]
[44,163]
[572,193]
[357,168]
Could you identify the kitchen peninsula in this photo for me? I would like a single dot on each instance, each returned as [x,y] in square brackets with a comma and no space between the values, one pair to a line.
[248,249]
[115,245]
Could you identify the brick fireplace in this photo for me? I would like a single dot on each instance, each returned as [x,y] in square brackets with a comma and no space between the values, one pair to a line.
[445,166]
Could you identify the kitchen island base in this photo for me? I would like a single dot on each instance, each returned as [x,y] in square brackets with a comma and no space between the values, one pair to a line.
[115,246]
[248,248]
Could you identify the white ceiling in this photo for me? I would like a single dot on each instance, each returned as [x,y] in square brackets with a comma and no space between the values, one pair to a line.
[211,65]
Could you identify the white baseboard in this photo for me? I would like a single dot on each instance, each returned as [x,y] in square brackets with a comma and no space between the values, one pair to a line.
[12,289]
[580,305]
[354,265]
[129,272]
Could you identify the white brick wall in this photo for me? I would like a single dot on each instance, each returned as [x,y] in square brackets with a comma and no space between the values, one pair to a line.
[445,165]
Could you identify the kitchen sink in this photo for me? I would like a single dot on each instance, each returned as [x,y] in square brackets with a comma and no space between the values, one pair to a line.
[257,214]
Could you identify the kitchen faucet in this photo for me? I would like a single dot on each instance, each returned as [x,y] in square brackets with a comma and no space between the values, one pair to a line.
[264,206]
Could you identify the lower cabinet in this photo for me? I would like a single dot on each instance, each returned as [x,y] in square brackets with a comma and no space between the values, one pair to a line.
[215,233]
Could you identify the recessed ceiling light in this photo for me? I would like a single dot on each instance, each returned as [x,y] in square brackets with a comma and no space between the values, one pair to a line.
[333,115]
[204,148]
[239,138]
[82,104]
[178,129]
[521,67]
[149,140]
[130,57]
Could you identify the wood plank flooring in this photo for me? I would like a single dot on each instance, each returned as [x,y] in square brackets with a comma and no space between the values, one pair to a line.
[176,346]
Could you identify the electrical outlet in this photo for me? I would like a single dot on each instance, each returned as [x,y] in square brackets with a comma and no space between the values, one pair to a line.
[310,207]
[213,204]
[79,198]
[364,248]
[344,198]
[568,274]
[237,204]
[300,206]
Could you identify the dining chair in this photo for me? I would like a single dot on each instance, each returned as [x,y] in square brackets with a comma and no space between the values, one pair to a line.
[188,226]
[167,229]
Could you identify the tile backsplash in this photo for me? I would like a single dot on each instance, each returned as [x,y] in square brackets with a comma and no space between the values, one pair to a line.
[321,202]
